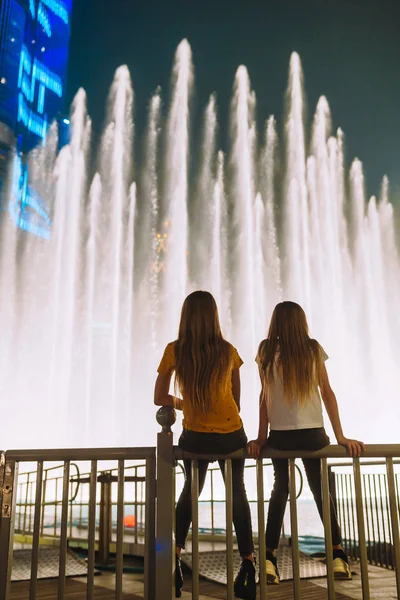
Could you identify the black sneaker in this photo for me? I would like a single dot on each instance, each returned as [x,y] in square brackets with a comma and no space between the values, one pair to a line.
[341,568]
[178,577]
[271,569]
[245,582]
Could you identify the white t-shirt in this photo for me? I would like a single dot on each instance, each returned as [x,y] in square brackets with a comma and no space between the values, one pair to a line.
[284,415]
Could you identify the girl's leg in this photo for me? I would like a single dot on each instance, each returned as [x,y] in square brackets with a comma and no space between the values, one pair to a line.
[184,505]
[241,509]
[277,503]
[312,467]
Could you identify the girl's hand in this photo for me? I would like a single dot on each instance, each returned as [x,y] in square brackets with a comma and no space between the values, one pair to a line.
[254,448]
[354,447]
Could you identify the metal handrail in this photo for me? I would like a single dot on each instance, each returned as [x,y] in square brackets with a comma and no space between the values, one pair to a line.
[165,478]
[371,451]
[167,455]
[81,454]
[9,480]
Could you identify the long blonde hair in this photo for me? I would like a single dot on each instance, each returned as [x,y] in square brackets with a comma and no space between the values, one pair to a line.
[298,357]
[202,355]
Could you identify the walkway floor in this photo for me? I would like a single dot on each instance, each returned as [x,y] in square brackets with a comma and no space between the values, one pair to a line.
[382,583]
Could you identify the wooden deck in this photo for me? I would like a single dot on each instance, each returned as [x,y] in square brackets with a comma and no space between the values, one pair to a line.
[382,586]
[104,590]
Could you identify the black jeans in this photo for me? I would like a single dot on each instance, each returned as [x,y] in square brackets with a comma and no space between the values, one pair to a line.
[297,439]
[215,443]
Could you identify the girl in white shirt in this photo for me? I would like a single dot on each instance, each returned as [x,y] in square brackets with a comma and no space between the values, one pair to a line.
[293,378]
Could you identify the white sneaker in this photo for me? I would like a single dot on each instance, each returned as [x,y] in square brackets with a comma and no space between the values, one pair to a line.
[272,573]
[341,569]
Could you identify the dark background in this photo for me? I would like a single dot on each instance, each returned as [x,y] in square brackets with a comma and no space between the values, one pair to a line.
[350,51]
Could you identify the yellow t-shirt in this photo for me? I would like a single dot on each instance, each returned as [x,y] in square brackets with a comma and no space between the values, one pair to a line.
[223,416]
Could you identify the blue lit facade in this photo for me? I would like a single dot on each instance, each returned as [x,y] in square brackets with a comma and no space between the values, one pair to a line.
[34,41]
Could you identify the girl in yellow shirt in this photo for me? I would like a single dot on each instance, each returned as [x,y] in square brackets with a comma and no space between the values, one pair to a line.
[206,370]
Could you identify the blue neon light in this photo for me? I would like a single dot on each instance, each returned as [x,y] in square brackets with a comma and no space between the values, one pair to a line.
[58,8]
[28,76]
[26,207]
[42,90]
[43,19]
[37,41]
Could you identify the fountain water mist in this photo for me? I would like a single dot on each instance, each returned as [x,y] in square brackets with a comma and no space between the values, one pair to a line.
[176,271]
[85,314]
[242,190]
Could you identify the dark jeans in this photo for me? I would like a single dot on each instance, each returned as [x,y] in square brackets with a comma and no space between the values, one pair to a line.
[215,443]
[298,439]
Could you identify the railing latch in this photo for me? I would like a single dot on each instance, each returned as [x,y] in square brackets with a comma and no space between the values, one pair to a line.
[6,492]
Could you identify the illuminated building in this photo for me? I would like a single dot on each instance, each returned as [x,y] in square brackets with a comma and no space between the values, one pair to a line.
[34,41]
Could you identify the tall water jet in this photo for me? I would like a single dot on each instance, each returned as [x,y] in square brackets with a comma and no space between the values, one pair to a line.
[203,212]
[94,208]
[259,266]
[297,272]
[152,217]
[116,172]
[220,249]
[242,164]
[175,279]
[272,265]
[70,281]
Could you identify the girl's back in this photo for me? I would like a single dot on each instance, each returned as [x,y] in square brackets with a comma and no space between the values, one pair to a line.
[221,413]
[293,402]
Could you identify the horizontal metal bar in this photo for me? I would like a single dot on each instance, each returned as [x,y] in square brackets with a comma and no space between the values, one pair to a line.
[366,463]
[69,454]
[372,451]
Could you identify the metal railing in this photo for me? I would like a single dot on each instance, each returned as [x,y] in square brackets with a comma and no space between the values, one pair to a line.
[353,503]
[379,534]
[165,556]
[9,466]
[134,505]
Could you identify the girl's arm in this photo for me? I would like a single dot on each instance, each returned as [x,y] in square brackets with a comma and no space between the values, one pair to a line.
[236,387]
[162,397]
[328,396]
[254,447]
[263,424]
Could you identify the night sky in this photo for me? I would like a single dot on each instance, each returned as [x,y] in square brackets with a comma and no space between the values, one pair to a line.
[350,51]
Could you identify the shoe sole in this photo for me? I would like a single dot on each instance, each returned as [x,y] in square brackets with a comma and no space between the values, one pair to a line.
[343,576]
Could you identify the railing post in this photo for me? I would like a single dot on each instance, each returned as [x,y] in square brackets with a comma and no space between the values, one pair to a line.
[294,531]
[326,506]
[150,530]
[8,494]
[105,518]
[361,529]
[165,546]
[394,520]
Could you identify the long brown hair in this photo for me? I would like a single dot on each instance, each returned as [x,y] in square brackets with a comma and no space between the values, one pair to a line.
[202,355]
[298,357]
